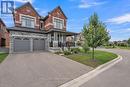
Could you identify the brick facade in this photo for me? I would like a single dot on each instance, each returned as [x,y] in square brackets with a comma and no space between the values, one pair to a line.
[4,35]
[57,12]
[26,10]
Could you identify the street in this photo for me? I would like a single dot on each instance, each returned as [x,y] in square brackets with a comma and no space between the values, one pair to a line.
[116,76]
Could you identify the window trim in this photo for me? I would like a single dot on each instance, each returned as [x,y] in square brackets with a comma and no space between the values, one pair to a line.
[58,19]
[28,22]
[41,23]
[22,15]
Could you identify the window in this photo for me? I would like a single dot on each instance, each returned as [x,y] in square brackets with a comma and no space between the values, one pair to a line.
[41,25]
[58,23]
[27,22]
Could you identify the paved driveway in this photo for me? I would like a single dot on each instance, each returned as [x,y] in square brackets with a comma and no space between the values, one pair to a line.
[116,76]
[39,70]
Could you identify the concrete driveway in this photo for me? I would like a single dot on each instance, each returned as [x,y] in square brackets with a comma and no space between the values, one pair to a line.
[116,76]
[39,70]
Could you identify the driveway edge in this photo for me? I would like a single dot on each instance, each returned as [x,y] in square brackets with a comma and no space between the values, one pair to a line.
[86,77]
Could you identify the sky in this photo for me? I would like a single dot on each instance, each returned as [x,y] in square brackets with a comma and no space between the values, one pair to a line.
[114,13]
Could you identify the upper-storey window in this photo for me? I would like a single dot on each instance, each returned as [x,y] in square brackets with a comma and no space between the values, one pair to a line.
[28,22]
[58,23]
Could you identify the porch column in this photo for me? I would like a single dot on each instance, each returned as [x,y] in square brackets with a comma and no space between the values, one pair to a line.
[55,42]
[62,38]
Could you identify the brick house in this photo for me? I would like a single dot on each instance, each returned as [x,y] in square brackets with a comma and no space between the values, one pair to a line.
[4,36]
[33,32]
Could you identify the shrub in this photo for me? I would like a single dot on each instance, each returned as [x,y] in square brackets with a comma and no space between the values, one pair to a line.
[67,52]
[75,50]
[85,47]
[58,52]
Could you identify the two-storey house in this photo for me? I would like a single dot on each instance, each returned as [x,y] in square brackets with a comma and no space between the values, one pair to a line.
[4,36]
[33,32]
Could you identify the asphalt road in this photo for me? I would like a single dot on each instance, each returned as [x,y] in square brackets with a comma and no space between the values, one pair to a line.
[116,76]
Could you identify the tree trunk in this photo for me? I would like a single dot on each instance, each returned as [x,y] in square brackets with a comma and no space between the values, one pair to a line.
[93,53]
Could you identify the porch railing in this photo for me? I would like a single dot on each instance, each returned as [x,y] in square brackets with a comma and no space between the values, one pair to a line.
[66,44]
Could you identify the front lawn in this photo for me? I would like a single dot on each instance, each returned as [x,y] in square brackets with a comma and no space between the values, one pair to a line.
[101,57]
[3,56]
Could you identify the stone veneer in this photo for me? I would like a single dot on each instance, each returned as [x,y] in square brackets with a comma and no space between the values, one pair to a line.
[15,34]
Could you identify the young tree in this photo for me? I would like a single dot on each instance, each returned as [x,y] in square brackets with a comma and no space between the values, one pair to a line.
[95,33]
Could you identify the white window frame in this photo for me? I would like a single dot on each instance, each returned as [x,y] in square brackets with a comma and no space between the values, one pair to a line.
[21,15]
[58,19]
[28,22]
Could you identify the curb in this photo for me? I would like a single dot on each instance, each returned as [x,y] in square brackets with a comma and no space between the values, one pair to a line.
[86,77]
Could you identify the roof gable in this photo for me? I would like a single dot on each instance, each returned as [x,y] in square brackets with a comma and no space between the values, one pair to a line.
[53,11]
[27,4]
[60,11]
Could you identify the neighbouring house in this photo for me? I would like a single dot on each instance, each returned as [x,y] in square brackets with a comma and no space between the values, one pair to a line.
[80,39]
[33,32]
[4,36]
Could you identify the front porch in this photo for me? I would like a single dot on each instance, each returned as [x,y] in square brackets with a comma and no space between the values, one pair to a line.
[59,40]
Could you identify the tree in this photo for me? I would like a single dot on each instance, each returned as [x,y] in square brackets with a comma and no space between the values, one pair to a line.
[128,41]
[85,46]
[95,33]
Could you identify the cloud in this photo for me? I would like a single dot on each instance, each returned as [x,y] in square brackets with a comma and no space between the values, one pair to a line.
[120,31]
[23,1]
[88,4]
[42,12]
[124,32]
[120,20]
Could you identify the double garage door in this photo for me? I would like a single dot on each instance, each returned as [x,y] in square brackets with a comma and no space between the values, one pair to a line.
[25,44]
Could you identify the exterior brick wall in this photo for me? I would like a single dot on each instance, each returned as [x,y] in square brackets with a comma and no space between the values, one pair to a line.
[4,34]
[48,23]
[29,11]
[7,40]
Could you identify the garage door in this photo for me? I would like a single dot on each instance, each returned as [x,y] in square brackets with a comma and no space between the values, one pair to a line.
[38,44]
[21,44]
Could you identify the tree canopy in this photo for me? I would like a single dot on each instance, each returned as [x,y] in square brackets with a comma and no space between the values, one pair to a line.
[95,32]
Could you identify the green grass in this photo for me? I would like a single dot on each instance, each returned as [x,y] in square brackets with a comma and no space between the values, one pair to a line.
[101,57]
[3,56]
[117,47]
